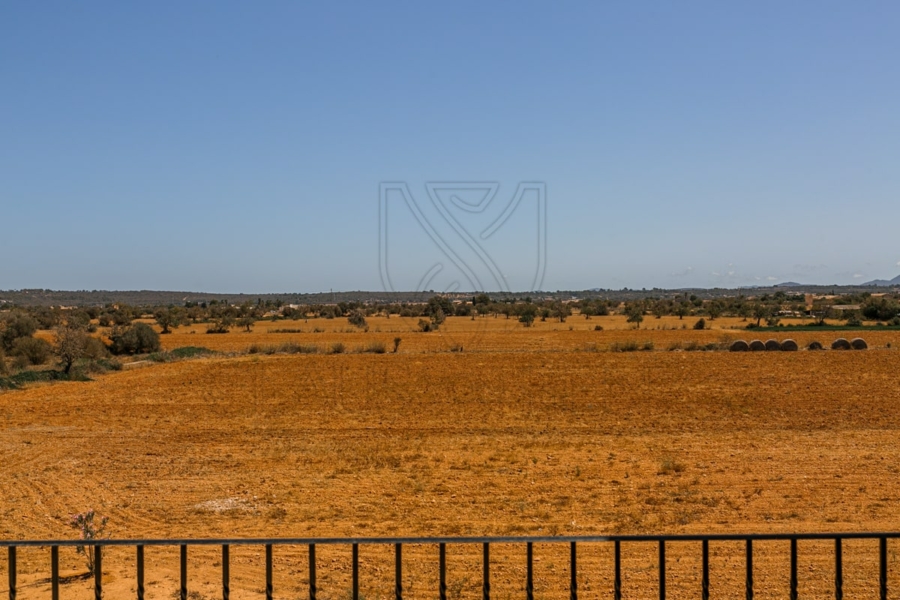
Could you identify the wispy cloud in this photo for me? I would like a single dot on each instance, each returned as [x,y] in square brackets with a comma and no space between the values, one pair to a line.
[685,273]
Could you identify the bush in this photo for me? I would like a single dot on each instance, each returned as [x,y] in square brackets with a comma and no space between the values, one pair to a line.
[629,346]
[16,326]
[854,321]
[33,350]
[375,348]
[4,370]
[700,324]
[139,338]
[426,326]
[397,344]
[337,348]
[95,349]
[357,319]
[598,327]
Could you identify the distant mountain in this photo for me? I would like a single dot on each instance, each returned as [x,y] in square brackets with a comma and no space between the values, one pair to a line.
[884,282]
[789,284]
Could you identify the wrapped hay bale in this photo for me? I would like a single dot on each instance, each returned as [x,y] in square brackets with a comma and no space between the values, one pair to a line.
[772,345]
[789,346]
[815,346]
[858,344]
[840,344]
[757,346]
[739,346]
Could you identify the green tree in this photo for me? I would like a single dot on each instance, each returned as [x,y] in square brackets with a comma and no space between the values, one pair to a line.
[139,338]
[527,314]
[167,318]
[760,311]
[635,314]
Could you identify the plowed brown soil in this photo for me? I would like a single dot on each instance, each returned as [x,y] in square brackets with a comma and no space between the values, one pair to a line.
[525,432]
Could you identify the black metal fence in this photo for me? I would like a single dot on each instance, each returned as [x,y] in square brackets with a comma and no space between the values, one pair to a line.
[661,541]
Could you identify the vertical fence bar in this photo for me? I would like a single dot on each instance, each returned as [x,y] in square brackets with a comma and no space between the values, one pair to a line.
[749,569]
[398,571]
[184,585]
[269,586]
[882,567]
[442,559]
[704,584]
[838,570]
[312,572]
[617,583]
[226,572]
[486,574]
[11,565]
[140,571]
[355,581]
[54,572]
[98,573]
[794,586]
[662,570]
[573,569]
[529,575]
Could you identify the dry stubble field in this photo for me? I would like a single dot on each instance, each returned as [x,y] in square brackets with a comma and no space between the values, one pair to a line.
[526,432]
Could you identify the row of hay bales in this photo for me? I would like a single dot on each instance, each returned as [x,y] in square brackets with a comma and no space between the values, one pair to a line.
[791,345]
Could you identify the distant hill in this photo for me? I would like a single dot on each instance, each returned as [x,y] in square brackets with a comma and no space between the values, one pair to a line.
[884,282]
[790,284]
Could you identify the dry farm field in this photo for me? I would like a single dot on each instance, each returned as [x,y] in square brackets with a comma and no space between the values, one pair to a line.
[526,431]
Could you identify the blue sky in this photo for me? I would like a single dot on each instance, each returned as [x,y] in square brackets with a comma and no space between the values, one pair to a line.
[229,147]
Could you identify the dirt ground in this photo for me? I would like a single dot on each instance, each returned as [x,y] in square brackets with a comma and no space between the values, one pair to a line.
[526,432]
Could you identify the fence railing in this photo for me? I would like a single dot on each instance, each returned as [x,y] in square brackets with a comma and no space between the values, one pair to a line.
[662,542]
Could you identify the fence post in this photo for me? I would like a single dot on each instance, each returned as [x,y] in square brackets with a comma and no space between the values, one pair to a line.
[442,560]
[98,573]
[226,572]
[140,571]
[11,565]
[54,572]
[704,585]
[269,586]
[794,586]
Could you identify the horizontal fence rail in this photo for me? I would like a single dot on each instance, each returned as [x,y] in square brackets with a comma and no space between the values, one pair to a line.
[397,544]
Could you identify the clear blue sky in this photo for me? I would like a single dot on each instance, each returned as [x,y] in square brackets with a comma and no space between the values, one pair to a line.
[230,147]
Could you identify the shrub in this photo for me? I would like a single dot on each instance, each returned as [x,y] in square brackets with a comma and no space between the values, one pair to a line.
[630,346]
[426,326]
[598,327]
[700,324]
[375,348]
[16,326]
[4,370]
[89,527]
[357,318]
[397,344]
[138,338]
[456,348]
[95,349]
[189,352]
[33,350]
[337,348]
